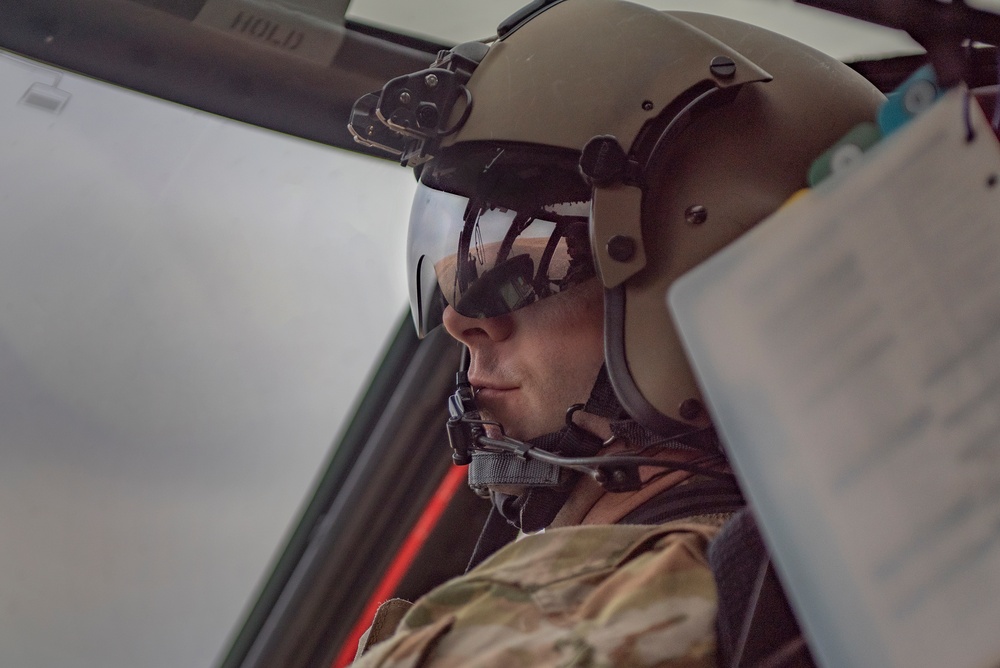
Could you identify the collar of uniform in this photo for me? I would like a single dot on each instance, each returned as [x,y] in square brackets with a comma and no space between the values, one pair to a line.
[589,503]
[557,554]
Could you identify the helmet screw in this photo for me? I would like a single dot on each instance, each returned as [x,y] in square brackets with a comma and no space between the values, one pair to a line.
[619,476]
[722,67]
[404,97]
[696,214]
[647,105]
[621,248]
[691,409]
[427,115]
[431,80]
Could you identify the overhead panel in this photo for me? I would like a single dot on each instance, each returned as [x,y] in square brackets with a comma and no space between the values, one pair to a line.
[308,29]
[296,66]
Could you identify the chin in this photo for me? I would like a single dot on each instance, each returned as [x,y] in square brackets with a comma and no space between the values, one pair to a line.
[520,429]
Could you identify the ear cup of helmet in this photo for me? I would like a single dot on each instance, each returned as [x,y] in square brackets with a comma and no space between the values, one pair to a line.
[727,171]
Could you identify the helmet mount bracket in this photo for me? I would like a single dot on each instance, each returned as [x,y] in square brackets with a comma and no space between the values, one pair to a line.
[616,216]
[408,117]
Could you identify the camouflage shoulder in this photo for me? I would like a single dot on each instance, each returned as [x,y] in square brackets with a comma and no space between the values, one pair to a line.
[587,596]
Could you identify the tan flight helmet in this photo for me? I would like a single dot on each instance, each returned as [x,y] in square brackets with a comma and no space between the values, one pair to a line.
[688,129]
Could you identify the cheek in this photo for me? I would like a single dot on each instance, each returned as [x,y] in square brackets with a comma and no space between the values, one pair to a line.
[583,340]
[584,324]
[583,353]
[574,348]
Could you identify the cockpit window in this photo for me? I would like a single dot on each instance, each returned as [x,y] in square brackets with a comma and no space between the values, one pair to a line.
[183,334]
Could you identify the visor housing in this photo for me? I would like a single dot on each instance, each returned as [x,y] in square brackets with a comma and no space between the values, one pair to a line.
[520,234]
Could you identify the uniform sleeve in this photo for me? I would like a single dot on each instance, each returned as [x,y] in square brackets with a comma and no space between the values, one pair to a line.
[581,596]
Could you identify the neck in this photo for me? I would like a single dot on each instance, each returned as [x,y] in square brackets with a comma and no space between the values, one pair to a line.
[589,503]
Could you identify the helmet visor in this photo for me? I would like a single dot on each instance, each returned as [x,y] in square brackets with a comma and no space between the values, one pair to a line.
[486,259]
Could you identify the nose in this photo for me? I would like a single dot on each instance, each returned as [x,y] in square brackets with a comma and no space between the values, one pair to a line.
[472,331]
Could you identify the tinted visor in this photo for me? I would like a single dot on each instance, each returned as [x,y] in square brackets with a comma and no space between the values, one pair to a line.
[486,259]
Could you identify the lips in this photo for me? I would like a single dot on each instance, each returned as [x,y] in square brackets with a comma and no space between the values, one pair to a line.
[487,394]
[486,389]
[490,384]
[492,391]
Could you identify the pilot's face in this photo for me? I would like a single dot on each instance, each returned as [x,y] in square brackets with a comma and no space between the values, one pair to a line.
[530,365]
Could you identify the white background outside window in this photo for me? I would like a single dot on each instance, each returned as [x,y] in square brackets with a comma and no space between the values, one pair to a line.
[189,307]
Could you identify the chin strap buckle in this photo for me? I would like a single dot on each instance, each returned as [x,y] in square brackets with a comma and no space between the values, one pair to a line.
[462,429]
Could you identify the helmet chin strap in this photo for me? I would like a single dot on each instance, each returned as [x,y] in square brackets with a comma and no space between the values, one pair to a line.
[515,466]
[529,482]
[542,487]
[505,463]
[536,462]
[536,504]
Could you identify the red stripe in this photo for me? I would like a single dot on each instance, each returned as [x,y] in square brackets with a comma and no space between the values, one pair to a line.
[402,561]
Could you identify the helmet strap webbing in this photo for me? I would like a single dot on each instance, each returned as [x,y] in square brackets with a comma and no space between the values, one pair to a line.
[544,493]
[546,487]
[501,468]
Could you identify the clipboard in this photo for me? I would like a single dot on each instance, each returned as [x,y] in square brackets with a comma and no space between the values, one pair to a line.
[849,351]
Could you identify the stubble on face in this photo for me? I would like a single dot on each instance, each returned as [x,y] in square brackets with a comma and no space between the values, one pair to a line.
[548,363]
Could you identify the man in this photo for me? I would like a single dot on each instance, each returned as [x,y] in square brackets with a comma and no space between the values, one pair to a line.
[569,172]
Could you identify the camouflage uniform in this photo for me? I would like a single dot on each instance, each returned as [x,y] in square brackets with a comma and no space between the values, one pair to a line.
[595,595]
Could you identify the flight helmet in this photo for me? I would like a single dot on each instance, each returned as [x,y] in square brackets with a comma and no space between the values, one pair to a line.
[602,137]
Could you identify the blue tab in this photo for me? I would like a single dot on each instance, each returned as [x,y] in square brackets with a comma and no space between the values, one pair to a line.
[915,95]
[845,153]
